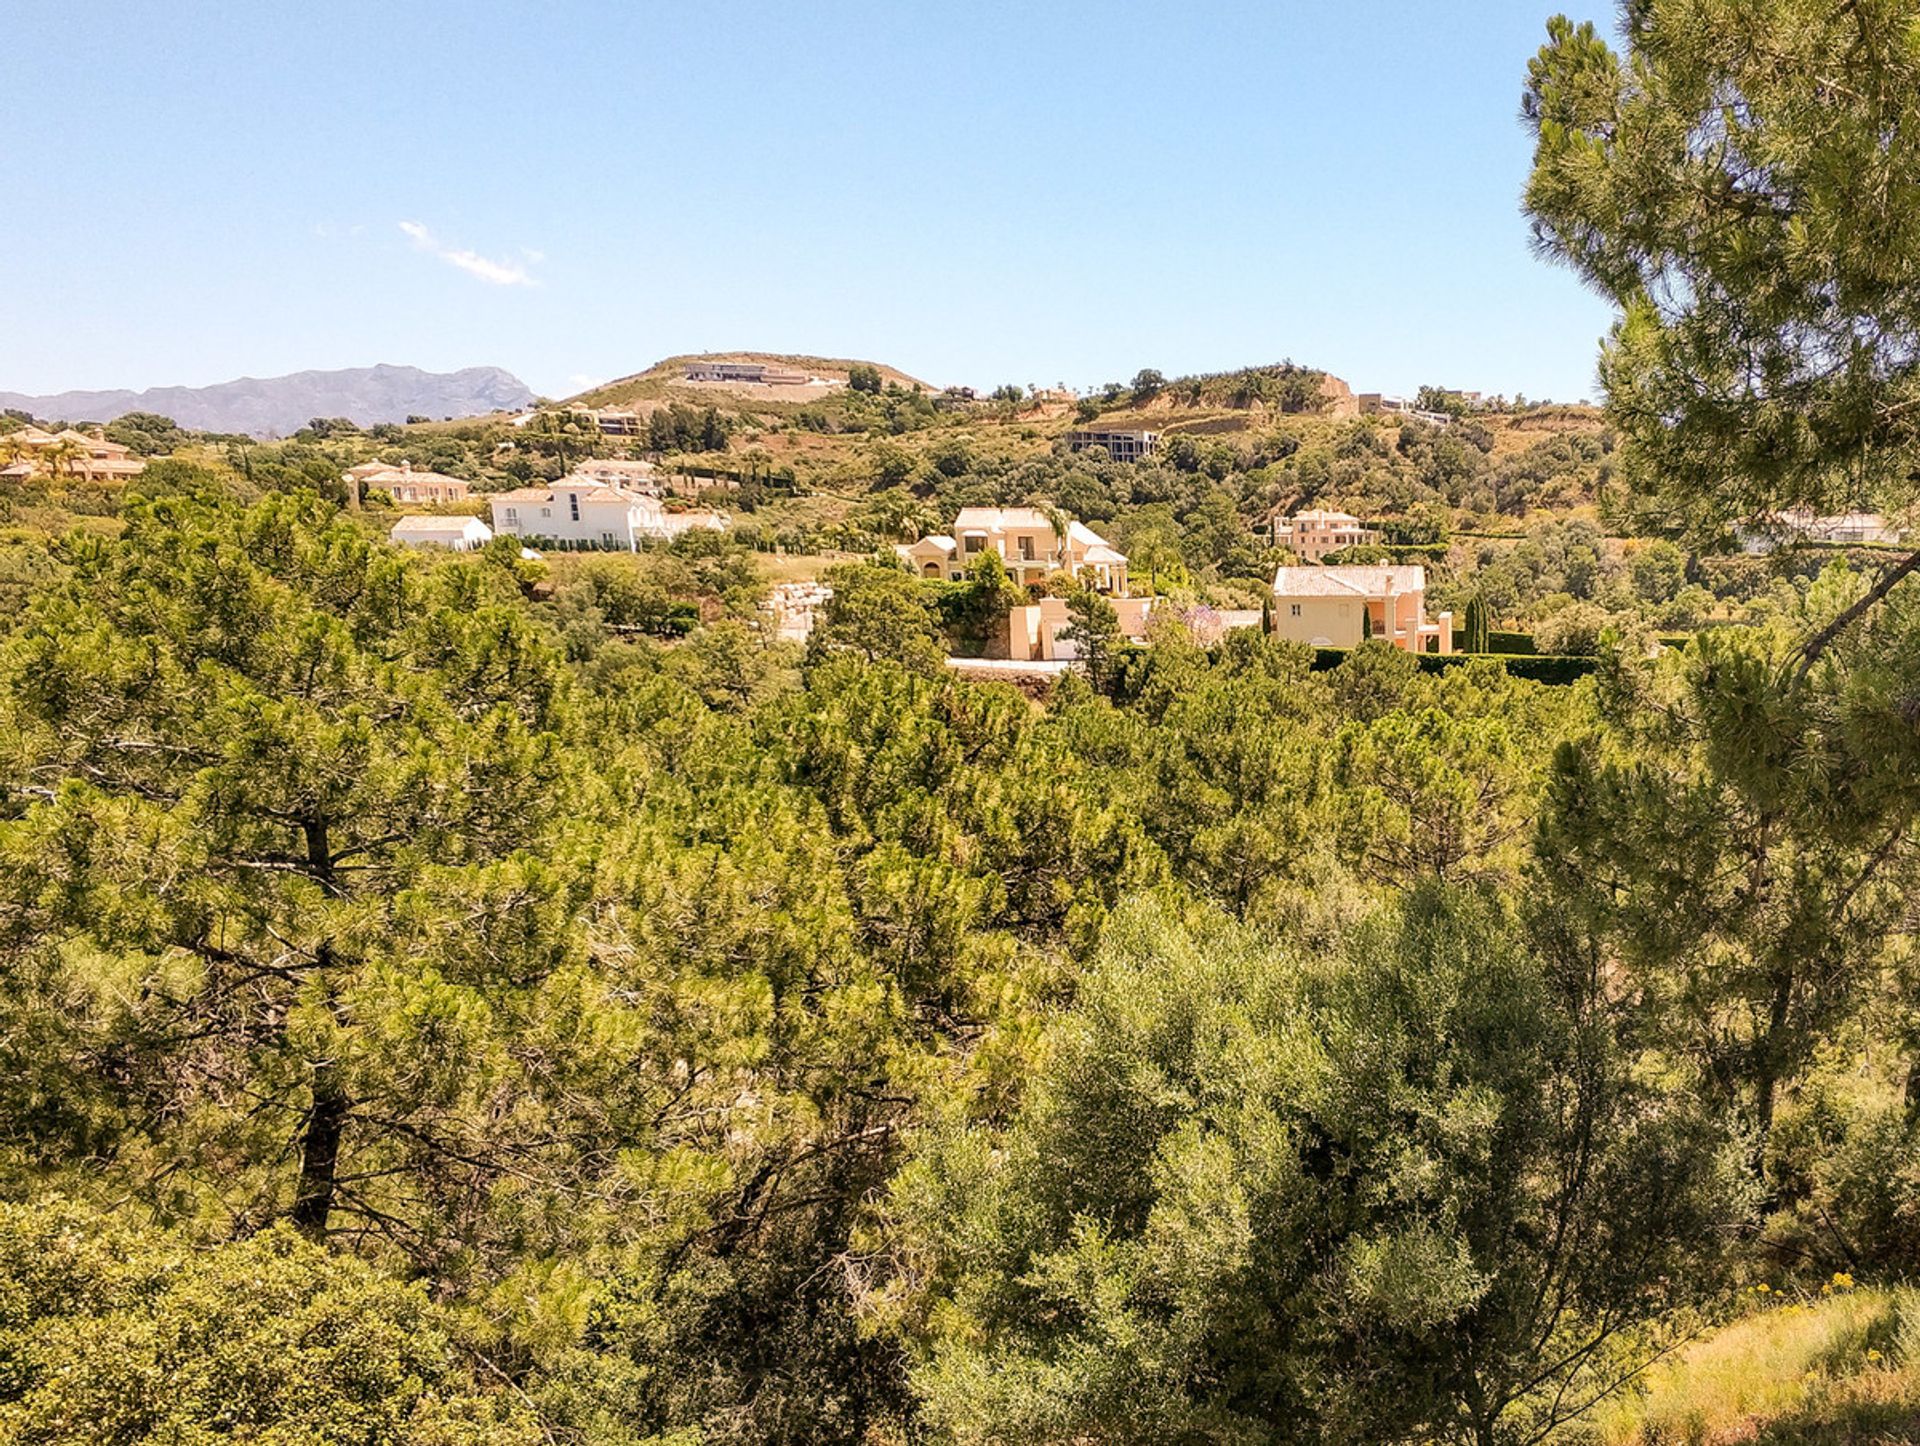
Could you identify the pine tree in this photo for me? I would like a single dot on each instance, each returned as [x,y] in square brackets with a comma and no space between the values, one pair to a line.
[1744,184]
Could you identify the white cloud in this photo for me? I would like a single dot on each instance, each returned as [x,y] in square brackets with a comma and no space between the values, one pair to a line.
[494,273]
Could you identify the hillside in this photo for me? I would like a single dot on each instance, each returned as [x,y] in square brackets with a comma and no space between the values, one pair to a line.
[277,406]
[665,380]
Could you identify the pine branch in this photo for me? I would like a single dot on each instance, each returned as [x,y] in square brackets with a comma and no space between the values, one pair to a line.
[1820,641]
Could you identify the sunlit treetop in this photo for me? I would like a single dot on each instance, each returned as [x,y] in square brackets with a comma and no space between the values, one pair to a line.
[1743,180]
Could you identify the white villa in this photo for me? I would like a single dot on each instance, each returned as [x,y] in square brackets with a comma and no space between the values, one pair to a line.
[1342,606]
[460,534]
[580,511]
[1026,542]
[1801,525]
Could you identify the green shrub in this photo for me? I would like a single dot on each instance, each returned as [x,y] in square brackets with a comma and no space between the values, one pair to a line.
[146,1338]
[1538,668]
[1547,668]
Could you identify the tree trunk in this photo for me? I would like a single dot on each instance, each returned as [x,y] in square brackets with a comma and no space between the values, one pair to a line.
[1766,1079]
[1480,1416]
[327,1116]
[320,1152]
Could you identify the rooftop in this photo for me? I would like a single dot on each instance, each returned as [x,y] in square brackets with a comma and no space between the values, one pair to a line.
[449,526]
[1347,581]
[1321,514]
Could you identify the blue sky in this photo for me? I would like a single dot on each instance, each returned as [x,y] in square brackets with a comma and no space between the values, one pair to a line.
[976,193]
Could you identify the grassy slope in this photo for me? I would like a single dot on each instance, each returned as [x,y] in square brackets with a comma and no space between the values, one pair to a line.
[1842,1369]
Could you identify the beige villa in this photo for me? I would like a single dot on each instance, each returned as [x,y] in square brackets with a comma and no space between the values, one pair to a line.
[33,452]
[403,484]
[1038,632]
[1027,542]
[1340,607]
[1315,533]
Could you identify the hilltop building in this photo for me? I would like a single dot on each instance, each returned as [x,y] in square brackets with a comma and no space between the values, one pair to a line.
[403,484]
[615,421]
[460,534]
[1374,403]
[759,372]
[1026,542]
[1342,606]
[89,456]
[1315,533]
[582,512]
[1122,444]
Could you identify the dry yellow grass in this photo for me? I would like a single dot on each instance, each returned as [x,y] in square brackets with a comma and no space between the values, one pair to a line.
[797,566]
[1840,1368]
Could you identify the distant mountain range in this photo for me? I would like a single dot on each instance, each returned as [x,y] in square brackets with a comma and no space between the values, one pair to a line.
[278,406]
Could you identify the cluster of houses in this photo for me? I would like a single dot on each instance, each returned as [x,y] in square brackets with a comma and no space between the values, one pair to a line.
[1323,605]
[89,456]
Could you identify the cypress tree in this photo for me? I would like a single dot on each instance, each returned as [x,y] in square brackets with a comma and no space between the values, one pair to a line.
[1476,626]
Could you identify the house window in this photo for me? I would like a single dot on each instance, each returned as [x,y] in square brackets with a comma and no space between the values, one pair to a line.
[512,516]
[1026,549]
[573,504]
[973,544]
[1296,610]
[546,512]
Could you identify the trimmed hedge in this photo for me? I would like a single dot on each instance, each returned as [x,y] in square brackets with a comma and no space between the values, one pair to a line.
[1545,668]
[1537,667]
[1509,642]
